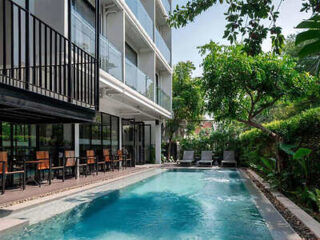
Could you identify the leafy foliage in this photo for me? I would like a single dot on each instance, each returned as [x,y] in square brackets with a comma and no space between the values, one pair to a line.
[310,37]
[245,18]
[187,100]
[240,87]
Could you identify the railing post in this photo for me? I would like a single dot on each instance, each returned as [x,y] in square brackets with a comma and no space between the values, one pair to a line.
[27,44]
[4,37]
[70,80]
[97,51]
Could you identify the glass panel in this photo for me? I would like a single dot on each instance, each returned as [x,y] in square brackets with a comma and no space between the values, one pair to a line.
[161,44]
[141,14]
[131,55]
[106,131]
[110,58]
[115,134]
[83,33]
[56,138]
[164,100]
[85,138]
[96,138]
[139,81]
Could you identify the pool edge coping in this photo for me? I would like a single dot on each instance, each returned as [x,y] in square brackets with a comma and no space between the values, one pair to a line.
[294,209]
[273,218]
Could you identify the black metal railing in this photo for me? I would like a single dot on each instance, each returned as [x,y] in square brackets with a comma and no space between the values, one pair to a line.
[39,59]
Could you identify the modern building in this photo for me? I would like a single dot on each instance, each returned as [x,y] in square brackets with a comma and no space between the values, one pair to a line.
[84,74]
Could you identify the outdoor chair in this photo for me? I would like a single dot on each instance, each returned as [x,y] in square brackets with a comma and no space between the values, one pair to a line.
[127,159]
[188,158]
[108,159]
[91,161]
[70,162]
[105,161]
[206,158]
[16,171]
[119,159]
[56,168]
[43,165]
[228,158]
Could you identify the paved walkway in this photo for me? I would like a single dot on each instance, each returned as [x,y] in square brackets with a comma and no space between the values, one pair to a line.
[14,196]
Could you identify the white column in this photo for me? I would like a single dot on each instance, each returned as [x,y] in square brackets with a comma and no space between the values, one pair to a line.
[120,133]
[77,144]
[157,140]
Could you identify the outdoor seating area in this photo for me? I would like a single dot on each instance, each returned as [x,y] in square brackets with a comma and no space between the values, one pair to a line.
[42,168]
[208,159]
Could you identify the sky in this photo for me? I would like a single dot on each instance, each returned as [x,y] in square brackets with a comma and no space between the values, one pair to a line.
[210,25]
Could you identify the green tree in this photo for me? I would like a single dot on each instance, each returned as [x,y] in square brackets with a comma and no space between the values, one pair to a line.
[242,87]
[252,20]
[187,100]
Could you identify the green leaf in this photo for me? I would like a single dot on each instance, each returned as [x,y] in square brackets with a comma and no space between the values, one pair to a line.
[287,148]
[301,153]
[310,49]
[270,163]
[307,35]
[309,24]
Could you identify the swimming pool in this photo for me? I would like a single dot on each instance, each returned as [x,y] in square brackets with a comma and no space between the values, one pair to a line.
[176,204]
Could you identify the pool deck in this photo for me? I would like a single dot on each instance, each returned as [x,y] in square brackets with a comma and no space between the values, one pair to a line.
[16,196]
[18,208]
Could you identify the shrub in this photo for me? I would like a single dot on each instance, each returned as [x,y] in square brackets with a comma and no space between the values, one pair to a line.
[301,131]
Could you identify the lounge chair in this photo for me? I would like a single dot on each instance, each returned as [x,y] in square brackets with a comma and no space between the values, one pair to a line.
[206,158]
[188,158]
[228,158]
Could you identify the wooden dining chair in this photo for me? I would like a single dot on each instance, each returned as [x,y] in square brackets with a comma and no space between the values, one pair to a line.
[108,159]
[70,162]
[119,158]
[44,165]
[4,172]
[91,160]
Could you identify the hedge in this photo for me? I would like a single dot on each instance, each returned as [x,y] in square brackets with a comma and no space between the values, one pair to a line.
[302,130]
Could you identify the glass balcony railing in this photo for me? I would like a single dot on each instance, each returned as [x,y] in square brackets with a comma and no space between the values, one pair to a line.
[141,14]
[164,100]
[139,81]
[166,5]
[83,35]
[110,58]
[161,44]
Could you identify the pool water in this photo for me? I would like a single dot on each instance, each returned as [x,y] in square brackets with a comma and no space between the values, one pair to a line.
[177,204]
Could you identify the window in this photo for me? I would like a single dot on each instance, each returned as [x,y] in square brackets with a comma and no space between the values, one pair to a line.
[131,55]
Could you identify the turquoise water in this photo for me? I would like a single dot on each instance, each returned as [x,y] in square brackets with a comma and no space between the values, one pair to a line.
[192,204]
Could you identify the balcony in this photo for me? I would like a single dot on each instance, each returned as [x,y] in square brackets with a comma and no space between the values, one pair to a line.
[164,100]
[44,77]
[162,46]
[166,5]
[139,81]
[110,58]
[141,14]
[83,35]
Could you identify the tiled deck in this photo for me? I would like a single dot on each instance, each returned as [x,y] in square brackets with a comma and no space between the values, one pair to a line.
[15,196]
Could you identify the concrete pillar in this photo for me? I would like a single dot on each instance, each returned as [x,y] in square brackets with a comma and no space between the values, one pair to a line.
[157,140]
[120,133]
[77,145]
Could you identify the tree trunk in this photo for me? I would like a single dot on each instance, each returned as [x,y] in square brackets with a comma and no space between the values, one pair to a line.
[277,138]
